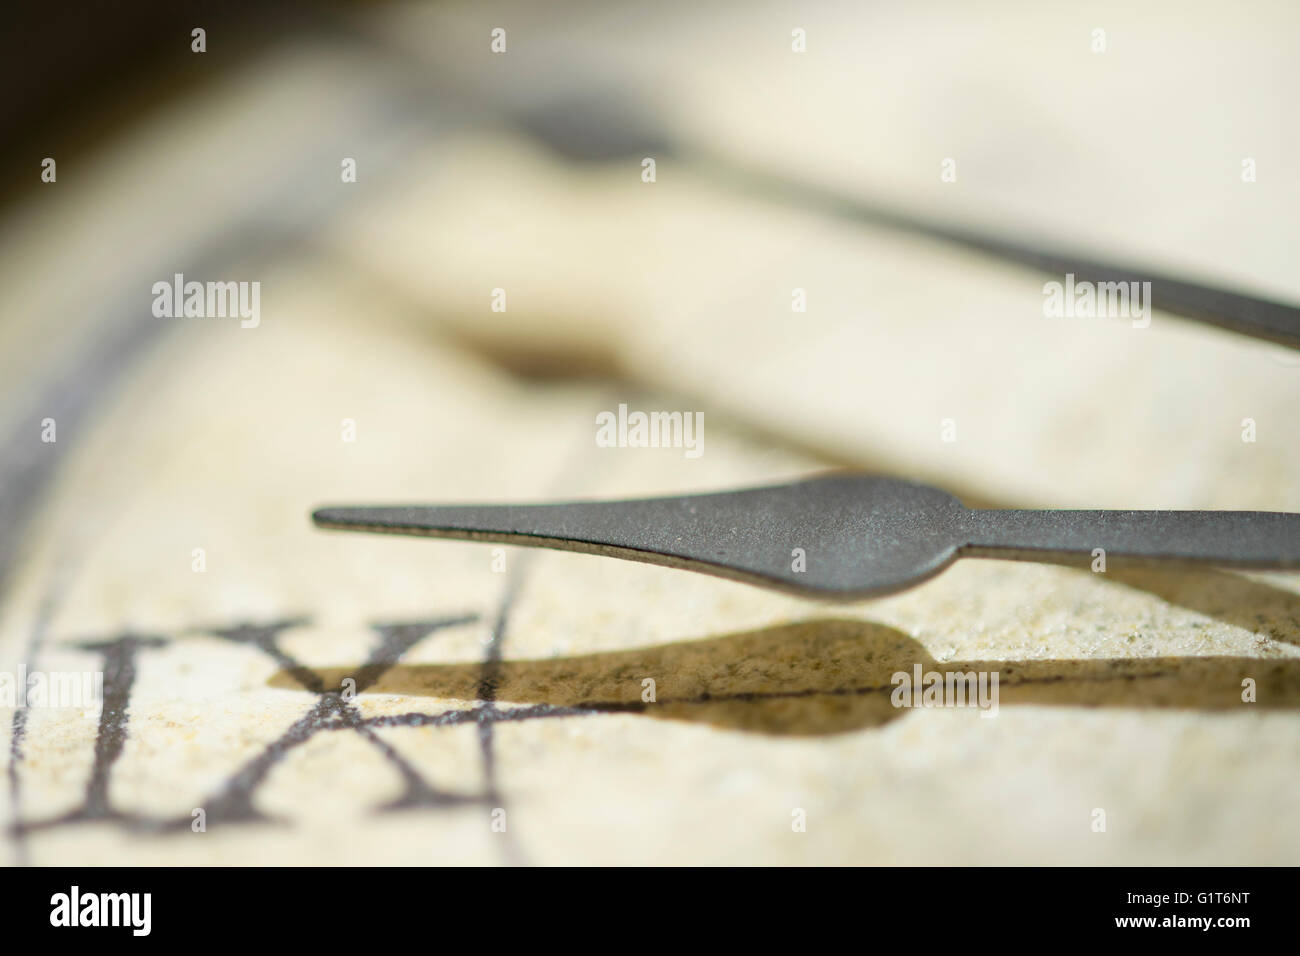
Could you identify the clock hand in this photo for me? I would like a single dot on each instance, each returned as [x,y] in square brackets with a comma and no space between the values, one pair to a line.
[604,128]
[1242,539]
[839,536]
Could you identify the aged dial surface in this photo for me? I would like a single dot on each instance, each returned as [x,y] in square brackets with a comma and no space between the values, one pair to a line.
[456,321]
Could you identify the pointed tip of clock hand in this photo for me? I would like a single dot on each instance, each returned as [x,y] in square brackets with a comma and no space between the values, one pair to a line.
[435,521]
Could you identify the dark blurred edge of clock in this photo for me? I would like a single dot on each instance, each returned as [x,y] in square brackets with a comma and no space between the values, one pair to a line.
[75,73]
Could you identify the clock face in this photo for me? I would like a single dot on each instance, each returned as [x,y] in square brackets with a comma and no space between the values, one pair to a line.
[301,283]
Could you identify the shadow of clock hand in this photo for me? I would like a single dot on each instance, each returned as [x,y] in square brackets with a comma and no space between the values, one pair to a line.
[824,677]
